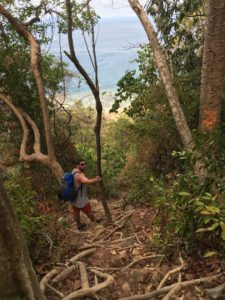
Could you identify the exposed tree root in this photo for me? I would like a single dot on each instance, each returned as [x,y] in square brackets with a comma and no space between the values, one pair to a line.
[99,243]
[174,271]
[118,226]
[83,275]
[120,215]
[106,269]
[47,277]
[96,244]
[86,289]
[125,216]
[116,204]
[97,235]
[96,280]
[64,274]
[216,292]
[137,238]
[112,231]
[120,233]
[166,289]
[91,290]
[140,259]
[81,232]
[55,290]
[119,247]
[121,240]
[82,254]
[172,292]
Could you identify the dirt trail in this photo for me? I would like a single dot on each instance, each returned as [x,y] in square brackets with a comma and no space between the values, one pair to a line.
[117,262]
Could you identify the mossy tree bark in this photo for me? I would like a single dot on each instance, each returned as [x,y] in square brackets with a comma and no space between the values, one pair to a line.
[17,276]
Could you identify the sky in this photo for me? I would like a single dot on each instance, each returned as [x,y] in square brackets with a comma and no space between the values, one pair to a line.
[109,8]
[113,8]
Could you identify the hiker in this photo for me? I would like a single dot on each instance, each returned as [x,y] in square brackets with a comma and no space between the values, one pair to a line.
[82,202]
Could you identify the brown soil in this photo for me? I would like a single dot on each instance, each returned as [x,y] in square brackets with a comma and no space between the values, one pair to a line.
[126,243]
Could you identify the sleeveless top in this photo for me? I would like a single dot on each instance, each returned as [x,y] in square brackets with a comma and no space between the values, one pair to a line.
[82,198]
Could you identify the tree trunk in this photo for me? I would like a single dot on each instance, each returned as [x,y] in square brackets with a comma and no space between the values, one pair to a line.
[166,76]
[99,155]
[94,87]
[213,68]
[17,276]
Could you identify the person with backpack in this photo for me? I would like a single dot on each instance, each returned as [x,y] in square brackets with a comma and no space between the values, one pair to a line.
[81,202]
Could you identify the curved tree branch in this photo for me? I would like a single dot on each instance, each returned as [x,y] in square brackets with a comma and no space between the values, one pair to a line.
[6,99]
[35,51]
[37,138]
[32,21]
[37,155]
[72,56]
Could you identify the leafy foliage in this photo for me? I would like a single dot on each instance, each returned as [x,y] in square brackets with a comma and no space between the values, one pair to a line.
[83,16]
[194,212]
[114,154]
[23,198]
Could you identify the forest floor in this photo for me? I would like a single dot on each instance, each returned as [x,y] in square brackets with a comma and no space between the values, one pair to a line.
[120,261]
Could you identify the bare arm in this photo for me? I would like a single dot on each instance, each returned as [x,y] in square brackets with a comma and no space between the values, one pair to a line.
[81,178]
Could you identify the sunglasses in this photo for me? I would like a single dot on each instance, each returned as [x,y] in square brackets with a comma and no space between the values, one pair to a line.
[83,164]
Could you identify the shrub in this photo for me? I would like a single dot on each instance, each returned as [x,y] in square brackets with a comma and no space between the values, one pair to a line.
[23,199]
[195,212]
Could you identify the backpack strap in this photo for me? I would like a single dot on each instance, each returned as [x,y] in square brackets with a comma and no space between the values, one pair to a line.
[80,187]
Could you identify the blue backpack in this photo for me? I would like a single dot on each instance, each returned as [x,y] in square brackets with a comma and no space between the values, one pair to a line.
[68,192]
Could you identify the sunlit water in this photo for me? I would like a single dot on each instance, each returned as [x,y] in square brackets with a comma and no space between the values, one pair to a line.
[118,40]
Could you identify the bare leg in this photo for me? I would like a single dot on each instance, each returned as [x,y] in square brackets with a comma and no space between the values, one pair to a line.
[76,216]
[91,216]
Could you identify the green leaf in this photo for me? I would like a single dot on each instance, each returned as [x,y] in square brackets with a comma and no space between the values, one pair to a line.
[207,220]
[206,197]
[184,194]
[201,230]
[199,203]
[213,209]
[198,208]
[222,225]
[208,194]
[210,253]
[205,212]
[213,226]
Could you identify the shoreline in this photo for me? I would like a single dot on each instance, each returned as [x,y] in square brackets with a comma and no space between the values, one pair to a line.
[107,98]
[87,99]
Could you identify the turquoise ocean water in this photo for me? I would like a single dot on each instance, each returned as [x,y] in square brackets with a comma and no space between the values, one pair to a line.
[118,40]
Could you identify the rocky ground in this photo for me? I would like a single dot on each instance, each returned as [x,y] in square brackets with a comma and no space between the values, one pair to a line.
[119,262]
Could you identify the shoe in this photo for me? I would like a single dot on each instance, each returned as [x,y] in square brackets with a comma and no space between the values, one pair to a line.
[81,226]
